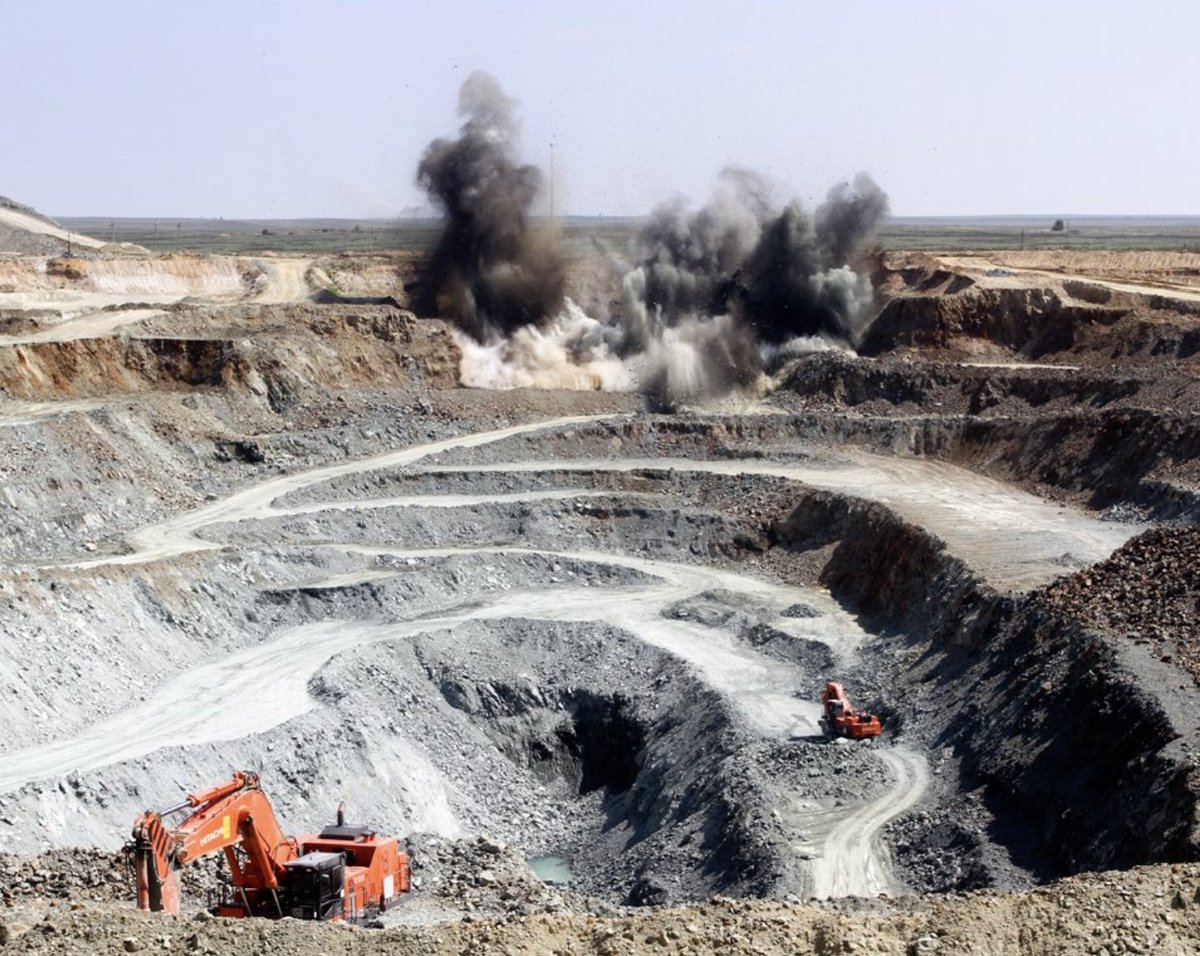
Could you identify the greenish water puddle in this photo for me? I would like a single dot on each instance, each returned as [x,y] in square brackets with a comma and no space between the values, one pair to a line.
[551,869]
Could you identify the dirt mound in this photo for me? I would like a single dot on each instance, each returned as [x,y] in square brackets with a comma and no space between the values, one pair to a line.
[1151,910]
[23,230]
[93,875]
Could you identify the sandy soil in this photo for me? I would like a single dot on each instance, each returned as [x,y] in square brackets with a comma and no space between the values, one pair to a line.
[1171,268]
[1140,275]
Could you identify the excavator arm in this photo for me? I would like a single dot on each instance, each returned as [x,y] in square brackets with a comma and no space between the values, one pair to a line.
[236,813]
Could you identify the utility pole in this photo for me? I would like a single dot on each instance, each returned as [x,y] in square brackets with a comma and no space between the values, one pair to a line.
[552,181]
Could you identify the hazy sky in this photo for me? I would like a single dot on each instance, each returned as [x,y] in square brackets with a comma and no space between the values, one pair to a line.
[265,108]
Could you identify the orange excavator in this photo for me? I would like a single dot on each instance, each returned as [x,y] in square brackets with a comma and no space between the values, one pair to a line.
[344,873]
[842,720]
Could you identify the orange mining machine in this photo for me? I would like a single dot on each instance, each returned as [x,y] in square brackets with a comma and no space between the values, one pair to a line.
[345,872]
[842,720]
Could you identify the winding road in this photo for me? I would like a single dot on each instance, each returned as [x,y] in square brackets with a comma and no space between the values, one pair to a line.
[854,860]
[1013,539]
[263,686]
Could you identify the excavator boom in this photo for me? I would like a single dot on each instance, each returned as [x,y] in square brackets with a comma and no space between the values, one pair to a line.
[234,814]
[345,872]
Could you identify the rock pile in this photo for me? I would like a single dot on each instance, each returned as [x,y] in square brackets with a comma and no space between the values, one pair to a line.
[78,874]
[1155,909]
[93,876]
[483,876]
[1147,591]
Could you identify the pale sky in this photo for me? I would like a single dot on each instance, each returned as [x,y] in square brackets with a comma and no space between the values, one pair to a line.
[316,108]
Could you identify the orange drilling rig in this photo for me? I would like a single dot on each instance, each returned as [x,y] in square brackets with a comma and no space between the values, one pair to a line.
[345,872]
[842,720]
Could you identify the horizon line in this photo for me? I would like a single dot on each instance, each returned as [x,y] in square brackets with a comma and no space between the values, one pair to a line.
[626,216]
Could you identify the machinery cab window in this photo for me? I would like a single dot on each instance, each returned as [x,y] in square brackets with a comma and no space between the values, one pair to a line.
[313,885]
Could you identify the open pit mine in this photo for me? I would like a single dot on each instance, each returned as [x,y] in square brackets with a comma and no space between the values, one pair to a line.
[569,645]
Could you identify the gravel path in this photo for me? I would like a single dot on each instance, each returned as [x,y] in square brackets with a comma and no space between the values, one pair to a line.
[1015,540]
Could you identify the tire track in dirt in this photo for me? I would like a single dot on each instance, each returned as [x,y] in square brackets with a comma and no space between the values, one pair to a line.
[854,860]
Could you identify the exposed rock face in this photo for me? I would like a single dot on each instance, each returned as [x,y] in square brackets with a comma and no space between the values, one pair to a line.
[300,349]
[602,637]
[1082,733]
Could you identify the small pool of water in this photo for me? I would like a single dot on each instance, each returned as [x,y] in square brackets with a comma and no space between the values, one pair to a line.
[551,869]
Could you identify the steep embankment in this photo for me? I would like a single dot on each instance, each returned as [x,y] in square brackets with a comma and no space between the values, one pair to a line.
[1082,734]
[24,230]
[1105,437]
[967,308]
[293,349]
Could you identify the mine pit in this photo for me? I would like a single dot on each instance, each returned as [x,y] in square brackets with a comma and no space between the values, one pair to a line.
[571,647]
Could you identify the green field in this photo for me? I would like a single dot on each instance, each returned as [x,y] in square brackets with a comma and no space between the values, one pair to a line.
[320,236]
[1028,232]
[250,236]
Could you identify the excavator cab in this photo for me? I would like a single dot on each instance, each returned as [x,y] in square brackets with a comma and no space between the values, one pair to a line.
[314,886]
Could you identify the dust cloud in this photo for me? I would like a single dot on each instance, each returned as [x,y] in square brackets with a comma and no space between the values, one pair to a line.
[711,299]
[493,271]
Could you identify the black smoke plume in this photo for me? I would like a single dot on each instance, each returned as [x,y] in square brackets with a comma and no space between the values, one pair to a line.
[783,275]
[492,271]
[716,296]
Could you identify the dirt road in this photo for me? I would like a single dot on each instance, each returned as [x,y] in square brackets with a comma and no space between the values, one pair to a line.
[24,413]
[853,860]
[285,280]
[1014,539]
[89,325]
[980,266]
[180,534]
[263,686]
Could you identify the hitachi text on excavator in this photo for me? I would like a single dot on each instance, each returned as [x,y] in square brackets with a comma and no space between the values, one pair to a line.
[345,872]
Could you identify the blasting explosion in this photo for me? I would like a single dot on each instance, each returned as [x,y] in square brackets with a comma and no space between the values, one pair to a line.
[491,272]
[713,298]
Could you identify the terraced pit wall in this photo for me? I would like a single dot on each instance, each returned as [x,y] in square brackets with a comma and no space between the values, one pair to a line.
[333,346]
[1035,322]
[1088,758]
[1086,434]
